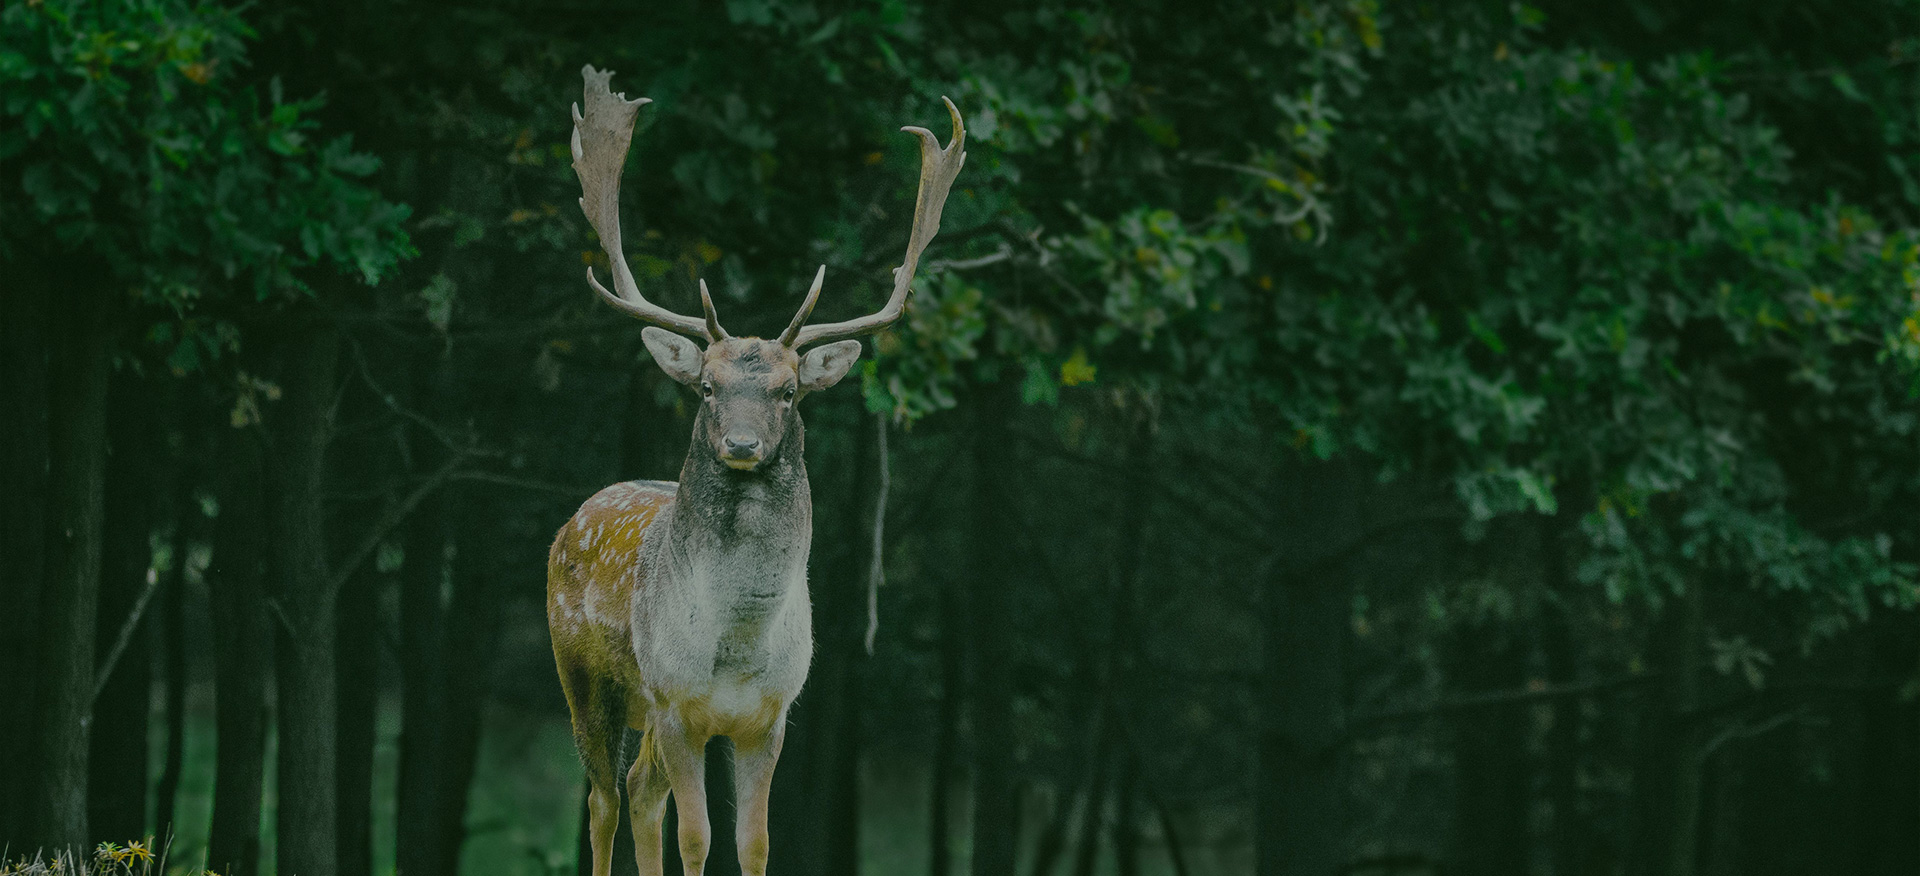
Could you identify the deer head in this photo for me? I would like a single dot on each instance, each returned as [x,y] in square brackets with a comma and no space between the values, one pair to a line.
[748,386]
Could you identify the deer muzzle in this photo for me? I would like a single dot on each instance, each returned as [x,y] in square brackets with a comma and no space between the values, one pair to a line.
[742,451]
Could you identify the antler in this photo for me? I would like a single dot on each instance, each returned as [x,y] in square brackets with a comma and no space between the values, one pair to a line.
[600,139]
[938,167]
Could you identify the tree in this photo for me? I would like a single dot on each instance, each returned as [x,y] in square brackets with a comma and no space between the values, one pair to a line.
[138,153]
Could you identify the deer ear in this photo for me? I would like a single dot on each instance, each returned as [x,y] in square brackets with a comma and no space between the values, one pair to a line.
[676,355]
[823,366]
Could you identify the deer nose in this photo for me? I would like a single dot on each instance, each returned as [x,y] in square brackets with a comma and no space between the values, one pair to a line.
[742,446]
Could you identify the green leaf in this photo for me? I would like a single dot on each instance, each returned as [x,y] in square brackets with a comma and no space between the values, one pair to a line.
[1038,386]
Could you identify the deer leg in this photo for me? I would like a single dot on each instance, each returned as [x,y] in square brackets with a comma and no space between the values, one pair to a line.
[603,818]
[684,755]
[647,788]
[753,761]
[598,719]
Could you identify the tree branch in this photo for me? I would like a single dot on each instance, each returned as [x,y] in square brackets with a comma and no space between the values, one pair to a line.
[126,635]
[1369,723]
[539,486]
[440,433]
[394,516]
[1744,730]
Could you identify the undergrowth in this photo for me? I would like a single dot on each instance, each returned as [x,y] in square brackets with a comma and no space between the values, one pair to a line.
[137,858]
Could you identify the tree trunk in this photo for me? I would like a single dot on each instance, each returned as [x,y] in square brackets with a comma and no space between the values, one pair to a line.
[1108,765]
[23,531]
[243,634]
[843,819]
[181,523]
[1128,574]
[357,656]
[1722,834]
[1093,817]
[845,590]
[306,825]
[360,459]
[1086,789]
[78,456]
[422,844]
[184,524]
[1490,766]
[996,803]
[953,638]
[451,592]
[1890,795]
[1683,847]
[1568,844]
[480,571]
[1667,774]
[1300,817]
[1126,830]
[170,640]
[117,771]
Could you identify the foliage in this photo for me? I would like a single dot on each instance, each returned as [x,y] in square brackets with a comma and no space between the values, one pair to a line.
[137,143]
[1609,295]
[1552,274]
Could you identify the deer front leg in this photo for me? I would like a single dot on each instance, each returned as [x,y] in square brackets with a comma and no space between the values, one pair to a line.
[647,788]
[684,755]
[753,761]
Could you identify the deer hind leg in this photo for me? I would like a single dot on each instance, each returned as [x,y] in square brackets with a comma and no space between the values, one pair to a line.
[647,788]
[683,753]
[753,762]
[599,717]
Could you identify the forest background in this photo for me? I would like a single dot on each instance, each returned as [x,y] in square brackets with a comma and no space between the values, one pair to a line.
[1328,437]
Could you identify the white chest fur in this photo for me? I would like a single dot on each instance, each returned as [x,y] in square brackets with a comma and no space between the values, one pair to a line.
[733,624]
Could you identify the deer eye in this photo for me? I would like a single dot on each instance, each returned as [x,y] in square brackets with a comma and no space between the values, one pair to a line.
[788,395]
[706,389]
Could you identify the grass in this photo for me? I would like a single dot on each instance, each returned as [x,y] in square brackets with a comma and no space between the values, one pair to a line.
[136,858]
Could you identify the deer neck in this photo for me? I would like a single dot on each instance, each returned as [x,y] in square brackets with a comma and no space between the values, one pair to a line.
[743,536]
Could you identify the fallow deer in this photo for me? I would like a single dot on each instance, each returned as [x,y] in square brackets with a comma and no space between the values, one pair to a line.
[680,609]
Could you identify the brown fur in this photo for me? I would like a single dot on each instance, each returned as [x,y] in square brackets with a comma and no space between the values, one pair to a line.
[586,567]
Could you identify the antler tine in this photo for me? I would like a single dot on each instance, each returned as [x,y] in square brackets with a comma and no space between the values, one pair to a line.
[806,308]
[714,331]
[938,167]
[601,137]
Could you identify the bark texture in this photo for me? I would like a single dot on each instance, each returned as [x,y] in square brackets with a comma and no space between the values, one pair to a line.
[78,456]
[1668,773]
[307,814]
[996,809]
[117,768]
[243,635]
[356,655]
[23,530]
